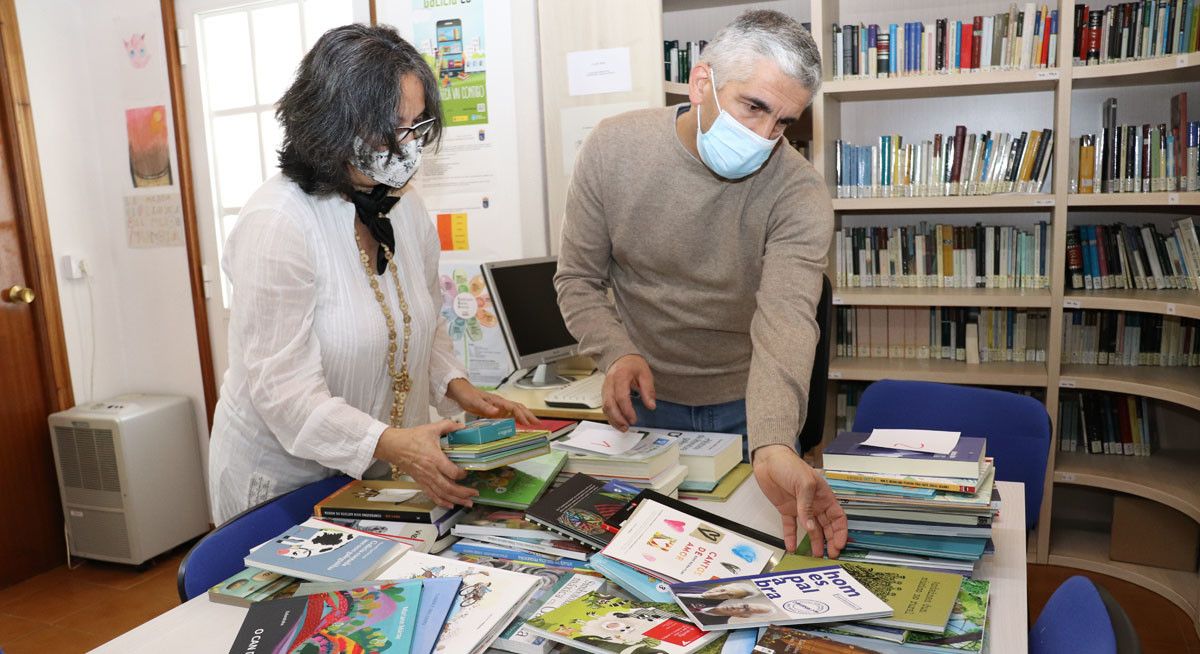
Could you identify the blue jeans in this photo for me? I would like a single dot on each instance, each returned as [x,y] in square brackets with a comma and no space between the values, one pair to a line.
[727,418]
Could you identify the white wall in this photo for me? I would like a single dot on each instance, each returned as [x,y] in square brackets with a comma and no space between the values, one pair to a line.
[80,83]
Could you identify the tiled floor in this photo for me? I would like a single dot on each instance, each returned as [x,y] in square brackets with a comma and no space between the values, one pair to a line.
[67,611]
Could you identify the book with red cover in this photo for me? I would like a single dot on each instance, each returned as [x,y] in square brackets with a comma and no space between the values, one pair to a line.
[1044,58]
[555,427]
[976,41]
[964,46]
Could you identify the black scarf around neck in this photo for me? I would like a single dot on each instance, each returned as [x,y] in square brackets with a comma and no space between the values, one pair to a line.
[372,209]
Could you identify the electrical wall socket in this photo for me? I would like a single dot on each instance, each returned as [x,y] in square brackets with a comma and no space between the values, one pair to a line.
[73,266]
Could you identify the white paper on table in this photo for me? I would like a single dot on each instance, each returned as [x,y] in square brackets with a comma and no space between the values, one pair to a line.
[601,438]
[590,72]
[916,440]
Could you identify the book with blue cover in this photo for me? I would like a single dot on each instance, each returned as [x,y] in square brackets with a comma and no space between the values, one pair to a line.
[321,551]
[640,585]
[379,618]
[437,597]
[848,453]
[966,549]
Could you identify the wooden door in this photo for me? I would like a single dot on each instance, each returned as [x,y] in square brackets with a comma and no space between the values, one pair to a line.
[33,542]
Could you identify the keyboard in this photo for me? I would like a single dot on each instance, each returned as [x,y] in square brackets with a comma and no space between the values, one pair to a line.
[580,394]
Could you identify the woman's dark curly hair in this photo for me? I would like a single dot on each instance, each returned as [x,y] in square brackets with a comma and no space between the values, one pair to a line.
[348,85]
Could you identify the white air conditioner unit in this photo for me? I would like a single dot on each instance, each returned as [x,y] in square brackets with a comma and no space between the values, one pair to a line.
[130,476]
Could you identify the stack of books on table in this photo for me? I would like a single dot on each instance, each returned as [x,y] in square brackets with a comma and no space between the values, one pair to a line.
[914,508]
[391,508]
[524,444]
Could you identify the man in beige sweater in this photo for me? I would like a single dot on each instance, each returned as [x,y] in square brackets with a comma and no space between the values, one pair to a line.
[713,241]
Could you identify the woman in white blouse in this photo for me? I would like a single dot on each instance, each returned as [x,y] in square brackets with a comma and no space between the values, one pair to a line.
[336,343]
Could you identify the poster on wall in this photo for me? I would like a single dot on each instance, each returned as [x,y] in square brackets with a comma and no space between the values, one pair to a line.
[471,177]
[472,324]
[149,153]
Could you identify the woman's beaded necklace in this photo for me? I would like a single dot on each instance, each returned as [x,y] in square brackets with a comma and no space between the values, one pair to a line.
[401,382]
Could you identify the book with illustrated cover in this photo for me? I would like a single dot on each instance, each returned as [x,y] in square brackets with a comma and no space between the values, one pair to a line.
[602,623]
[381,499]
[491,550]
[781,640]
[968,621]
[708,456]
[253,585]
[488,599]
[954,485]
[670,540]
[497,522]
[421,537]
[518,485]
[518,638]
[848,453]
[921,600]
[635,582]
[379,618]
[561,547]
[578,508]
[321,551]
[794,597]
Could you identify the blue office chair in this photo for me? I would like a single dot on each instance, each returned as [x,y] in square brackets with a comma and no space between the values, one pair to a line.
[1017,428]
[219,555]
[1075,619]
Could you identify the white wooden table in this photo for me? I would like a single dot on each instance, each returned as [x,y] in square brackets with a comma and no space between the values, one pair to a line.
[205,627]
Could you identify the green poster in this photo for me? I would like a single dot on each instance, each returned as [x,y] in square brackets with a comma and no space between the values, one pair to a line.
[450,35]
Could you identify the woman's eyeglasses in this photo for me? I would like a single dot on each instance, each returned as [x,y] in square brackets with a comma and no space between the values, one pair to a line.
[416,131]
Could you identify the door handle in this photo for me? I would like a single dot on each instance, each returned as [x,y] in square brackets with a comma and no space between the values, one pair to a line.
[18,293]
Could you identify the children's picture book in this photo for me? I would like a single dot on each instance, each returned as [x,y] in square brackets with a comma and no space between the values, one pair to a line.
[253,585]
[379,618]
[921,600]
[488,599]
[380,499]
[516,486]
[968,620]
[437,596]
[635,582]
[603,623]
[561,547]
[817,595]
[321,551]
[675,545]
[479,548]
[485,521]
[549,596]
[781,640]
[419,536]
[578,507]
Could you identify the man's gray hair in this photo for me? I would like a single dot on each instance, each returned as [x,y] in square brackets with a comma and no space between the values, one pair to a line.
[764,34]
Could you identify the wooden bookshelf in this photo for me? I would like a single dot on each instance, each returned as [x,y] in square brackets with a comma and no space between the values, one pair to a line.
[1183,200]
[1086,547]
[939,370]
[1172,69]
[1173,302]
[1179,385]
[948,203]
[943,297]
[942,85]
[1167,476]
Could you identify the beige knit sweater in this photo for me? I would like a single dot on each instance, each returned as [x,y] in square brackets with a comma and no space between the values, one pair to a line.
[715,282]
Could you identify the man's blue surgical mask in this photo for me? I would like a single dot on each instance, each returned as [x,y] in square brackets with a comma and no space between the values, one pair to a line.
[729,148]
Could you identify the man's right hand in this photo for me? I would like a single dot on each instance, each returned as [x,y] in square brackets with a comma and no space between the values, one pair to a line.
[628,372]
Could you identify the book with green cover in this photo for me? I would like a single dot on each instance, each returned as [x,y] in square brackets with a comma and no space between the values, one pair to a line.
[253,585]
[518,485]
[964,632]
[600,623]
[921,600]
[728,484]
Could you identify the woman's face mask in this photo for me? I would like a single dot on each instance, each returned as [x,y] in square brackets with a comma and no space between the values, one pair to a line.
[385,168]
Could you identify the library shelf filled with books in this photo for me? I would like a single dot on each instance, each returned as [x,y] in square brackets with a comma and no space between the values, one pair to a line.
[1179,385]
[1157,70]
[1166,476]
[942,85]
[1167,201]
[947,202]
[1085,546]
[939,370]
[1171,302]
[1035,298]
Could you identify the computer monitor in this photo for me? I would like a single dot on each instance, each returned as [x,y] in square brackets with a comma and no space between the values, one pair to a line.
[526,304]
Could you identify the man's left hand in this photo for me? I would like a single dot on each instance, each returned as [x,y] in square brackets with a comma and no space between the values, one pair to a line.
[488,405]
[803,498]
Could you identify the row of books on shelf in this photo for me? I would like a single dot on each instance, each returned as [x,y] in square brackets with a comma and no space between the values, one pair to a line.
[1106,423]
[952,333]
[678,59]
[1021,38]
[1135,30]
[1131,159]
[1120,255]
[1127,338]
[942,256]
[963,164]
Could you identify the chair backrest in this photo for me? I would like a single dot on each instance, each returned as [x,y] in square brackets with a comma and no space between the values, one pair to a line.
[1017,427]
[1073,620]
[219,555]
[814,423]
[1126,635]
